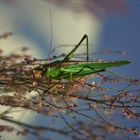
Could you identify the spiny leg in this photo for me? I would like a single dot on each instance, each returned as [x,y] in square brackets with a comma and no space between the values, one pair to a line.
[118,75]
[70,54]
[94,71]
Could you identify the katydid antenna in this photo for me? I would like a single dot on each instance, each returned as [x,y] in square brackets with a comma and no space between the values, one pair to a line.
[51,29]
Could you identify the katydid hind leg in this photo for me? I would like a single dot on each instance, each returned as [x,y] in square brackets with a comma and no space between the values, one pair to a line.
[71,53]
[93,71]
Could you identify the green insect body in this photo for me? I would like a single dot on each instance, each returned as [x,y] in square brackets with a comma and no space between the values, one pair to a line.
[80,69]
[66,69]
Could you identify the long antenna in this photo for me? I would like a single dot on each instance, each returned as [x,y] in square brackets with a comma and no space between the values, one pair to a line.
[51,29]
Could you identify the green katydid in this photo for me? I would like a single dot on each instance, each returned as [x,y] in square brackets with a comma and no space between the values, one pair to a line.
[67,69]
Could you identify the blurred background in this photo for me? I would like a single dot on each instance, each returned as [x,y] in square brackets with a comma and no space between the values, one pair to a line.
[42,25]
